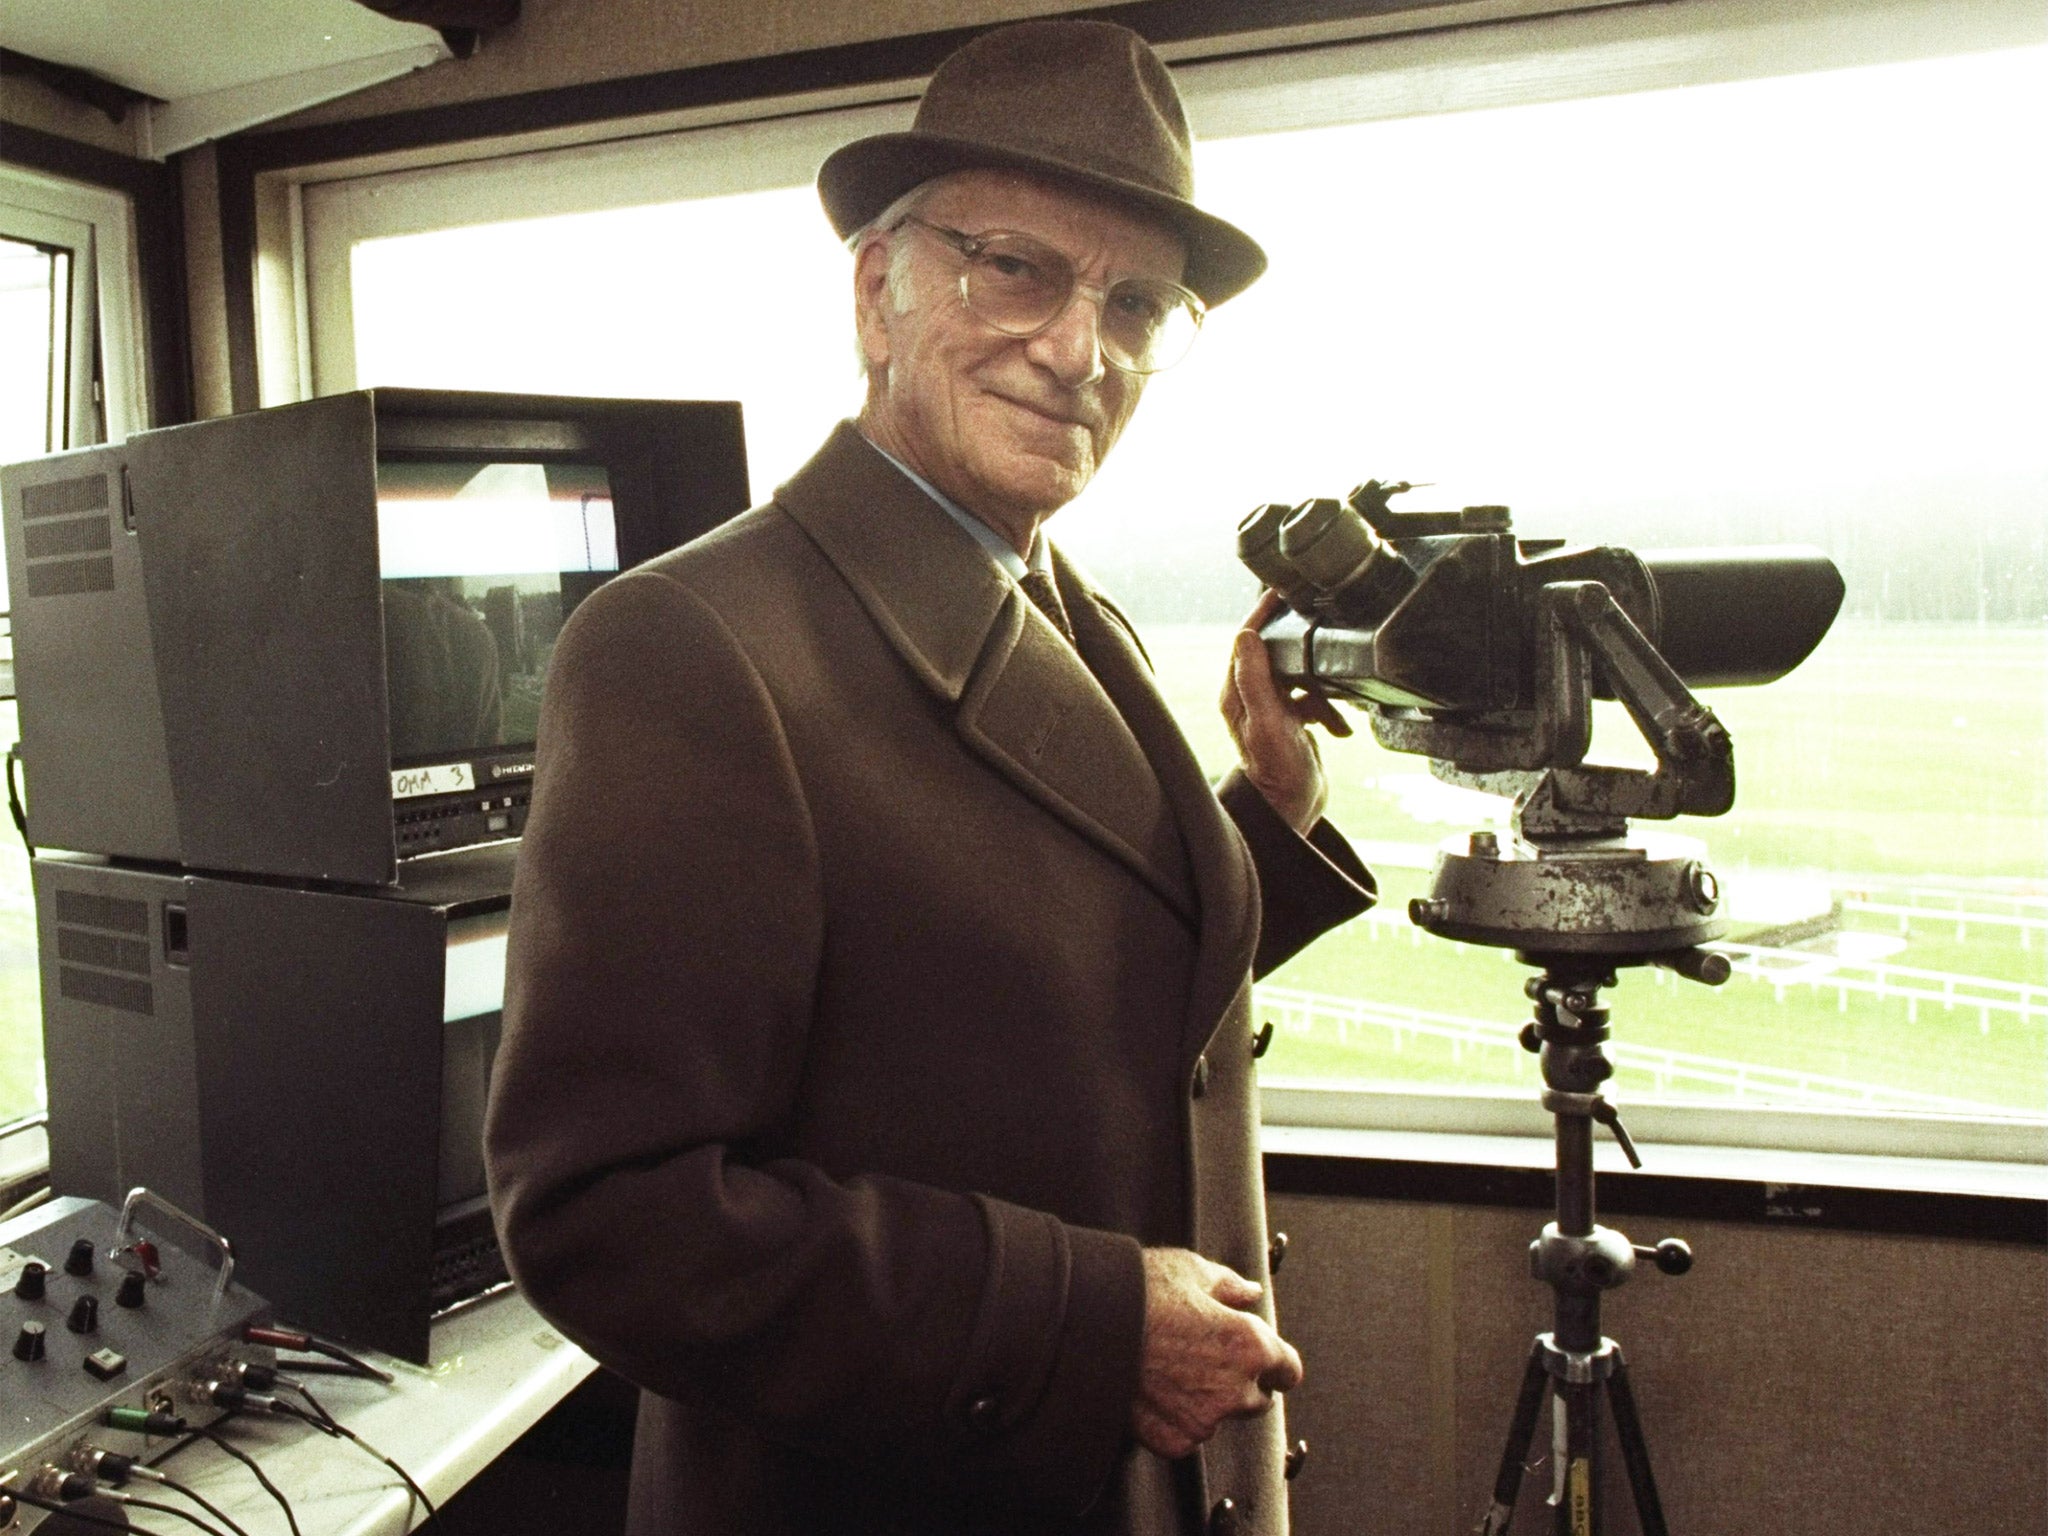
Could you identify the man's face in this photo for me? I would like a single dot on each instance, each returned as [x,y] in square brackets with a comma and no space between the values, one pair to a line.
[1010,427]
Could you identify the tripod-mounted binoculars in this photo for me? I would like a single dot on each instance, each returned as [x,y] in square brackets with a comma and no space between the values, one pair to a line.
[1483,653]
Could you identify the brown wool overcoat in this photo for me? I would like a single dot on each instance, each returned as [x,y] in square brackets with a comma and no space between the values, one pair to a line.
[879,982]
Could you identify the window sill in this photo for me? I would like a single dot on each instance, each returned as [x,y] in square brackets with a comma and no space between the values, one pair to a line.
[1932,1197]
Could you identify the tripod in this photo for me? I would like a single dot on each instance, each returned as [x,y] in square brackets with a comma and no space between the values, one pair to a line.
[1578,1258]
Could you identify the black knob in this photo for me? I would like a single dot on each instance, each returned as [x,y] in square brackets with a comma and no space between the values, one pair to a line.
[28,1344]
[1276,1253]
[1531,1038]
[1674,1256]
[133,1292]
[85,1315]
[79,1260]
[29,1287]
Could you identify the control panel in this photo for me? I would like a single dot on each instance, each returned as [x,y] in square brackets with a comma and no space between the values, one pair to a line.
[106,1324]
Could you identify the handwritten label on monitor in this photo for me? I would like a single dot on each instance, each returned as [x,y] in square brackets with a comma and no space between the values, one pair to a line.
[440,779]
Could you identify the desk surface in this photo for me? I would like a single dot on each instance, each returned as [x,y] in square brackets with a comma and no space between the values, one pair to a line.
[496,1369]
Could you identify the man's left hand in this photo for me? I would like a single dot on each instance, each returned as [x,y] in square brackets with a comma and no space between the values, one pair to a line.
[1271,728]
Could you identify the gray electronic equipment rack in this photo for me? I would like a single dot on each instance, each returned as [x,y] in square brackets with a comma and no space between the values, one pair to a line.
[199,618]
[252,1002]
[303,1069]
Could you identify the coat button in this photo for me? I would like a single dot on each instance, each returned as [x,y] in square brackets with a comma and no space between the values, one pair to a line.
[1201,1085]
[1224,1519]
[983,1412]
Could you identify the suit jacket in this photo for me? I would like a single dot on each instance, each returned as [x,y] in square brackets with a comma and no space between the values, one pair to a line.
[878,985]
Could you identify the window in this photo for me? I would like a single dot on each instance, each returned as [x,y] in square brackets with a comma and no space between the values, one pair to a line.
[70,369]
[1803,308]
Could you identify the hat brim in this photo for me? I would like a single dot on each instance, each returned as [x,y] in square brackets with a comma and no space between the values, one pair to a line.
[859,180]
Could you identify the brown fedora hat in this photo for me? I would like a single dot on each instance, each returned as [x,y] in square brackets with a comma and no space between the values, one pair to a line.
[1085,102]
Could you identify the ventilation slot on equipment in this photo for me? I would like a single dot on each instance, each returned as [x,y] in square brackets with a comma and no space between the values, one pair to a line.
[90,911]
[68,535]
[98,935]
[107,991]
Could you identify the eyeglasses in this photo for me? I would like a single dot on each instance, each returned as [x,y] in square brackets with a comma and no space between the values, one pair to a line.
[1020,286]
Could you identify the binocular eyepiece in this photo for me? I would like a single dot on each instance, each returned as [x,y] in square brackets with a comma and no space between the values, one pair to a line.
[1324,559]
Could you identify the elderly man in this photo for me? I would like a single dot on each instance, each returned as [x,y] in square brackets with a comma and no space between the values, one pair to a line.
[877,1084]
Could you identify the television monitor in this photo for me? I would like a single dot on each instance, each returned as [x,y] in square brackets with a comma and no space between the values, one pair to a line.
[482,561]
[309,642]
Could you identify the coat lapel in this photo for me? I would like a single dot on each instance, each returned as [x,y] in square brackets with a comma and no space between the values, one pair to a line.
[1226,885]
[1022,699]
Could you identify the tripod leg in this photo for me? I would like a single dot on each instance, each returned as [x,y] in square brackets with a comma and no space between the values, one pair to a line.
[1577,1494]
[1507,1485]
[1635,1451]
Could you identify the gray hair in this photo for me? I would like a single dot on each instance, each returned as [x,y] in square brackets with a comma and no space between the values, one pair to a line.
[883,226]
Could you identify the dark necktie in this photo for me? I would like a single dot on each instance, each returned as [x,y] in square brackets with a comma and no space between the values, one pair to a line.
[1038,586]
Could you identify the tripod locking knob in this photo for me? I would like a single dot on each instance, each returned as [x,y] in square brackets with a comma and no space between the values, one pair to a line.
[1673,1255]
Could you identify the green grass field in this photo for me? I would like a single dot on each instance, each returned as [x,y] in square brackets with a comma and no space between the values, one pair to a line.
[1898,758]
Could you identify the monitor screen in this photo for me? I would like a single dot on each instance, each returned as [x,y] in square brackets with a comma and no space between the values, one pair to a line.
[481,564]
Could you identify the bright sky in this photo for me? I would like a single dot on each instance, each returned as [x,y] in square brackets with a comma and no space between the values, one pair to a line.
[1812,281]
[25,277]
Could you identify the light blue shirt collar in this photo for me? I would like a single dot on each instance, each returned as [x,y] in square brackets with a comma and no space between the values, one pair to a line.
[997,546]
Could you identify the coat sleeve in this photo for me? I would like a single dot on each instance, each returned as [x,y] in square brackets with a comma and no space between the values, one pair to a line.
[666,932]
[1307,885]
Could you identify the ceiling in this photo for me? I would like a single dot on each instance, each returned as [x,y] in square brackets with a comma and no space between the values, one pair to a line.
[191,47]
[220,64]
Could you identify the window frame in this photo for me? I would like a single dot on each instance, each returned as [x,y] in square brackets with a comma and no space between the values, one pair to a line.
[309,217]
[49,232]
[106,290]
[98,225]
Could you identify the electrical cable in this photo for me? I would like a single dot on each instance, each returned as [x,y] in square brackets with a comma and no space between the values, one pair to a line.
[113,1470]
[29,1202]
[14,805]
[336,1427]
[311,1401]
[128,1500]
[302,1343]
[318,1367]
[337,1353]
[54,1507]
[193,1494]
[249,1461]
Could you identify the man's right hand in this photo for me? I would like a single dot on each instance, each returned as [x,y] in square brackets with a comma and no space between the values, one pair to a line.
[1207,1356]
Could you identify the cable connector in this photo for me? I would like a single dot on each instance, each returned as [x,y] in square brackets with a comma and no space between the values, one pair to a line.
[102,1465]
[306,1343]
[50,1481]
[144,1421]
[223,1394]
